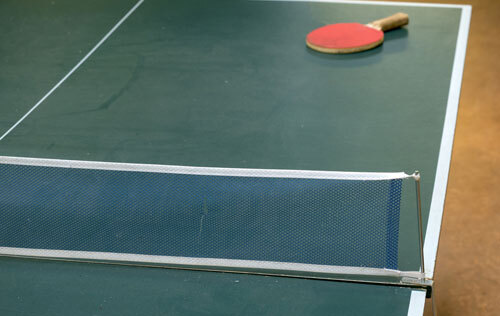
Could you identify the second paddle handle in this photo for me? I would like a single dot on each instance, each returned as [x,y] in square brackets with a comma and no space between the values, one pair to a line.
[390,22]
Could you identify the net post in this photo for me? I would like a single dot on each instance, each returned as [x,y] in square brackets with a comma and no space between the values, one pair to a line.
[416,176]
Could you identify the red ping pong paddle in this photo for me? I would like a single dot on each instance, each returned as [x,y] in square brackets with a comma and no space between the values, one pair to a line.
[342,38]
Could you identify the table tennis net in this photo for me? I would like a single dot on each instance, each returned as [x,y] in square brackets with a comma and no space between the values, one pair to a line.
[233,218]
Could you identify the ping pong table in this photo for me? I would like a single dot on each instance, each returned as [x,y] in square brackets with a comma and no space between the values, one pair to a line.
[224,84]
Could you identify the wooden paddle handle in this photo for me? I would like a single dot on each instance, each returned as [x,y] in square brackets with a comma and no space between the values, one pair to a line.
[391,22]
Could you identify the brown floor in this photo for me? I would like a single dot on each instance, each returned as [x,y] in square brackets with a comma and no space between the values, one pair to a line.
[468,262]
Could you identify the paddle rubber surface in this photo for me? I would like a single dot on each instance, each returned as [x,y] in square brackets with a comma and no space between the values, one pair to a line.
[344,35]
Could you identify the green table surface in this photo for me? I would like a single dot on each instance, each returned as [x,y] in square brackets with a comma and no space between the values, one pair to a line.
[217,84]
[32,287]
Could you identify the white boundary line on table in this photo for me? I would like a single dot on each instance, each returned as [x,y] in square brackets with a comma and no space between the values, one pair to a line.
[444,159]
[205,171]
[388,3]
[207,262]
[74,68]
[417,303]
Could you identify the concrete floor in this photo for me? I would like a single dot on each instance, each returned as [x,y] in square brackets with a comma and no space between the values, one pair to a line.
[468,267]
[468,263]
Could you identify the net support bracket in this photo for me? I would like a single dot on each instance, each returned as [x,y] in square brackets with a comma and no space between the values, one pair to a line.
[416,176]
